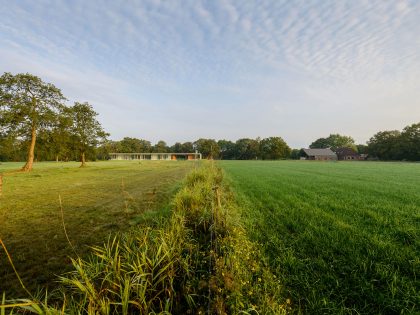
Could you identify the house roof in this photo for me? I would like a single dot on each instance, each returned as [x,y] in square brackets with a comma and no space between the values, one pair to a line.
[319,152]
[346,151]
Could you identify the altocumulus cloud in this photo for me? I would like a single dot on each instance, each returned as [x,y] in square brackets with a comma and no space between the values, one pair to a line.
[225,69]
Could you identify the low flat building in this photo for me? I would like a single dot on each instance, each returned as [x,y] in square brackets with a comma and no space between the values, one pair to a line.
[155,156]
[319,154]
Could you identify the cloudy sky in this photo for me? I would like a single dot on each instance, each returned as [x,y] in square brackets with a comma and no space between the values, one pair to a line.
[181,70]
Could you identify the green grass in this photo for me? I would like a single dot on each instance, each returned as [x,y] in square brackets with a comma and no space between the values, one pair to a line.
[344,238]
[198,262]
[103,198]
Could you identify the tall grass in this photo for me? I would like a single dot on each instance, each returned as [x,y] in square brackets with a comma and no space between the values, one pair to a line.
[200,262]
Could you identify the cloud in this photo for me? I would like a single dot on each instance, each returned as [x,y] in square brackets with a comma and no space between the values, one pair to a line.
[257,66]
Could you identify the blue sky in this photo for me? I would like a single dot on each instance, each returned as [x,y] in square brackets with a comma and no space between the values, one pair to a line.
[181,70]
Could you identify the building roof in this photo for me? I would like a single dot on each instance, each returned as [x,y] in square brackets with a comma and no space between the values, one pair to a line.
[319,152]
[149,153]
[346,151]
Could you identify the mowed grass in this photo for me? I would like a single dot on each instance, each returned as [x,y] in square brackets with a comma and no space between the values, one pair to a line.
[101,199]
[344,237]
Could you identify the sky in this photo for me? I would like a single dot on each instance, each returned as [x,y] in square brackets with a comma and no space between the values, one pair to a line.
[224,69]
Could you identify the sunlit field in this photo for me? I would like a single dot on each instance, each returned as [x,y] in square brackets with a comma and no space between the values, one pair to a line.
[344,237]
[101,199]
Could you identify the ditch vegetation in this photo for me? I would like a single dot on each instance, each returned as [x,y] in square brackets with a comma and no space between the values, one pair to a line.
[199,262]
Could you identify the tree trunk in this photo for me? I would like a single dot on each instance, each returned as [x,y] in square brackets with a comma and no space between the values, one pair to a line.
[56,158]
[83,160]
[30,159]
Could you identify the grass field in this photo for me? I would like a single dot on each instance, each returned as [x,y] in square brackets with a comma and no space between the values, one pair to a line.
[343,237]
[103,198]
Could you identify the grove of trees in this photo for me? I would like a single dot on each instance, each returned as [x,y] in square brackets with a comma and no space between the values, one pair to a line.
[396,145]
[333,141]
[32,110]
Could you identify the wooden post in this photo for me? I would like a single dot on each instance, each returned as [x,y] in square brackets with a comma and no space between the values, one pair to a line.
[219,203]
[218,208]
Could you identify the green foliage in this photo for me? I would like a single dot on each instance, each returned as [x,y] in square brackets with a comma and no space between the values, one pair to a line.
[187,147]
[132,145]
[362,149]
[86,130]
[57,143]
[333,141]
[27,105]
[208,148]
[386,145]
[274,148]
[410,138]
[160,147]
[343,238]
[32,110]
[26,101]
[227,149]
[295,154]
[12,149]
[177,148]
[247,149]
[135,273]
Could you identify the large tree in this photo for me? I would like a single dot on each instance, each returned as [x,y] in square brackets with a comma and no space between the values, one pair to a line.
[133,145]
[247,149]
[295,154]
[362,148]
[410,140]
[274,148]
[176,148]
[87,131]
[386,145]
[27,104]
[187,147]
[227,150]
[60,137]
[208,148]
[334,141]
[160,147]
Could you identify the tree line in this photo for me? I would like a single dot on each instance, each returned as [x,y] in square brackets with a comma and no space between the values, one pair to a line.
[384,145]
[393,145]
[36,124]
[271,148]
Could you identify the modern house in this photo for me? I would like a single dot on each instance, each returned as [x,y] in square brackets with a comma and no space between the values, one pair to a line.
[156,156]
[319,154]
[347,154]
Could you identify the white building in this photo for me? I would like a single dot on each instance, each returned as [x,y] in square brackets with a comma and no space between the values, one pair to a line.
[156,156]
